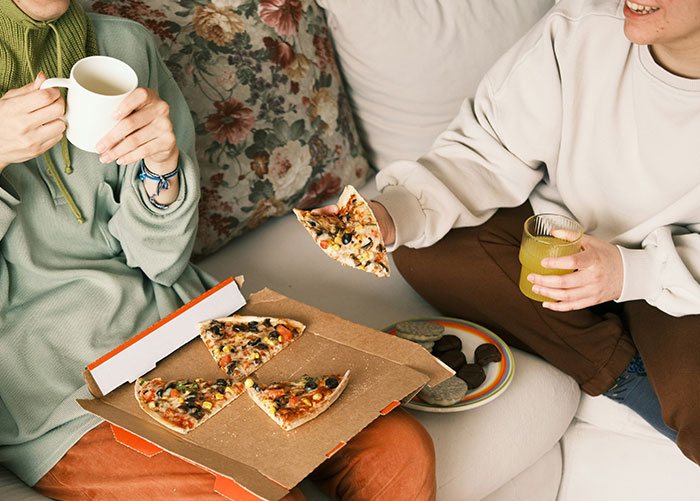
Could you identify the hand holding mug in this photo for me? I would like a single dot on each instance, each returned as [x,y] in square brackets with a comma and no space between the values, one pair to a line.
[31,122]
[143,130]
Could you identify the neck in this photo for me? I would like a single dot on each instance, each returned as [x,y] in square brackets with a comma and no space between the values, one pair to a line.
[684,61]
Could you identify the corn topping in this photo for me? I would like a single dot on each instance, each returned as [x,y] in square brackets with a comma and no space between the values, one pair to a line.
[206,405]
[226,349]
[248,383]
[218,396]
[317,396]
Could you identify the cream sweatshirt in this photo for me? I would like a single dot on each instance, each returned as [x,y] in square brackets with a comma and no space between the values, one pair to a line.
[579,121]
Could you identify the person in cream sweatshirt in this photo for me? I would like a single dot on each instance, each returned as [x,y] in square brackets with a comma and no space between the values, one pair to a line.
[594,114]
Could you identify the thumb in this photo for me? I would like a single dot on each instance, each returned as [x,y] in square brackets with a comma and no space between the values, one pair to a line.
[40,79]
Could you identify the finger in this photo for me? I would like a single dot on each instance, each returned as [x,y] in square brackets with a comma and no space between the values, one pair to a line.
[575,261]
[20,91]
[145,150]
[124,128]
[569,305]
[565,295]
[564,234]
[566,281]
[328,210]
[48,113]
[39,80]
[137,99]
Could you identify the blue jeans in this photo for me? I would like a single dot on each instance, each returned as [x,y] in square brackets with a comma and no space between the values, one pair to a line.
[633,389]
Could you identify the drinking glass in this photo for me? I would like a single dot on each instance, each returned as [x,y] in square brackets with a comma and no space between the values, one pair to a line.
[546,235]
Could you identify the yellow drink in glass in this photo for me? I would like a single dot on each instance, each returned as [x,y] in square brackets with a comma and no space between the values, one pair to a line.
[538,243]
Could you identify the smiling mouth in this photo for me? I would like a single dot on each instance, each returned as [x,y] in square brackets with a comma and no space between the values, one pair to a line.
[640,9]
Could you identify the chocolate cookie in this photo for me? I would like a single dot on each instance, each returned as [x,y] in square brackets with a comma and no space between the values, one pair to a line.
[487,353]
[446,343]
[453,358]
[419,331]
[472,374]
[449,392]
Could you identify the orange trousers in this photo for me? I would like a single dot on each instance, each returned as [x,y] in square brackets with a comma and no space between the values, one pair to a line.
[392,458]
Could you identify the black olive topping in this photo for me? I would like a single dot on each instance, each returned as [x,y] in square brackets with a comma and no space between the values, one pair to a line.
[331,382]
[255,341]
[347,238]
[274,336]
[267,322]
[256,387]
[311,385]
[368,244]
[231,369]
[198,414]
[222,382]
[159,392]
[312,223]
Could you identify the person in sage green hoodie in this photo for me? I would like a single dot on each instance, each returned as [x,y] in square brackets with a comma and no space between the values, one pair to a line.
[90,255]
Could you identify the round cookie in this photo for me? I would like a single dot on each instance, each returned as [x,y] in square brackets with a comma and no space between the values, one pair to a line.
[449,392]
[487,353]
[472,374]
[428,345]
[455,359]
[419,331]
[447,342]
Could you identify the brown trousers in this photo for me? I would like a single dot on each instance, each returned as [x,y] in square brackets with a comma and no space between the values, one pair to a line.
[392,458]
[473,273]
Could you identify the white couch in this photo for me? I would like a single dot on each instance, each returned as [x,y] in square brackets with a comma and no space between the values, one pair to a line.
[408,63]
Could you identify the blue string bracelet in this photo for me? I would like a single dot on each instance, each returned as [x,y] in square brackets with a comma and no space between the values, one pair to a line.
[163,181]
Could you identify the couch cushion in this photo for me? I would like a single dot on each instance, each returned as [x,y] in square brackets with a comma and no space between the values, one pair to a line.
[274,126]
[409,64]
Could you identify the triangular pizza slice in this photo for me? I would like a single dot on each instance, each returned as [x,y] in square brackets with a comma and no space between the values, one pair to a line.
[293,403]
[240,344]
[351,237]
[183,405]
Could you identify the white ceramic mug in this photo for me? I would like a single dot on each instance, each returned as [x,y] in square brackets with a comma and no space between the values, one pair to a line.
[96,86]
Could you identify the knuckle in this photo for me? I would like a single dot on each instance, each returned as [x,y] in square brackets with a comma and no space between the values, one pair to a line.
[142,94]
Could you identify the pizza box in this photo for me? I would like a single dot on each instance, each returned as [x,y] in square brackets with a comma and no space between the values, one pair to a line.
[250,456]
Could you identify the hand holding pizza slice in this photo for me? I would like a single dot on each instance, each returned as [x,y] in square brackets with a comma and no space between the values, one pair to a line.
[351,236]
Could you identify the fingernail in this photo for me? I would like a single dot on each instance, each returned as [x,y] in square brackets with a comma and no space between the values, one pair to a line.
[531,277]
[104,159]
[100,147]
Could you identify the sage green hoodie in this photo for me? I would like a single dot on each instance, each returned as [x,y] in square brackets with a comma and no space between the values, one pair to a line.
[71,292]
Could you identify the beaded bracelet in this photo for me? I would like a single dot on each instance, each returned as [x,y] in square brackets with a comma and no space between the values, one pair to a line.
[163,183]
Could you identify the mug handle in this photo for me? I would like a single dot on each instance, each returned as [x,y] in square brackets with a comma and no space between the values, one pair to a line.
[56,82]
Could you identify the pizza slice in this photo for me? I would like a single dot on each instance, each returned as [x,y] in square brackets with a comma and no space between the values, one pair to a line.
[240,344]
[183,405]
[293,403]
[352,237]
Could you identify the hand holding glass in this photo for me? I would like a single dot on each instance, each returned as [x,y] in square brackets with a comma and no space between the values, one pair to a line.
[546,235]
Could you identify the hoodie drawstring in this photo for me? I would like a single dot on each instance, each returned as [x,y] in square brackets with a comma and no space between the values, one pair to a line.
[64,142]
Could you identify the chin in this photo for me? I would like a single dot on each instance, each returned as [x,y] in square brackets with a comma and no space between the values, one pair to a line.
[637,35]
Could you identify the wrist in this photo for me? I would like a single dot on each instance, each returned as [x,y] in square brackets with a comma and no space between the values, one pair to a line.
[163,164]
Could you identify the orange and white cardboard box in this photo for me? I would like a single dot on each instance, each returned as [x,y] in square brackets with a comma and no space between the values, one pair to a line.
[248,453]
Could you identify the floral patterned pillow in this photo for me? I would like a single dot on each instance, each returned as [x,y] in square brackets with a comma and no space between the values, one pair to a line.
[274,125]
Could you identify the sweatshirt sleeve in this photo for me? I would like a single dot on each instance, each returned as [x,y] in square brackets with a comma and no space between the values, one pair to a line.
[492,155]
[7,211]
[666,270]
[160,241]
